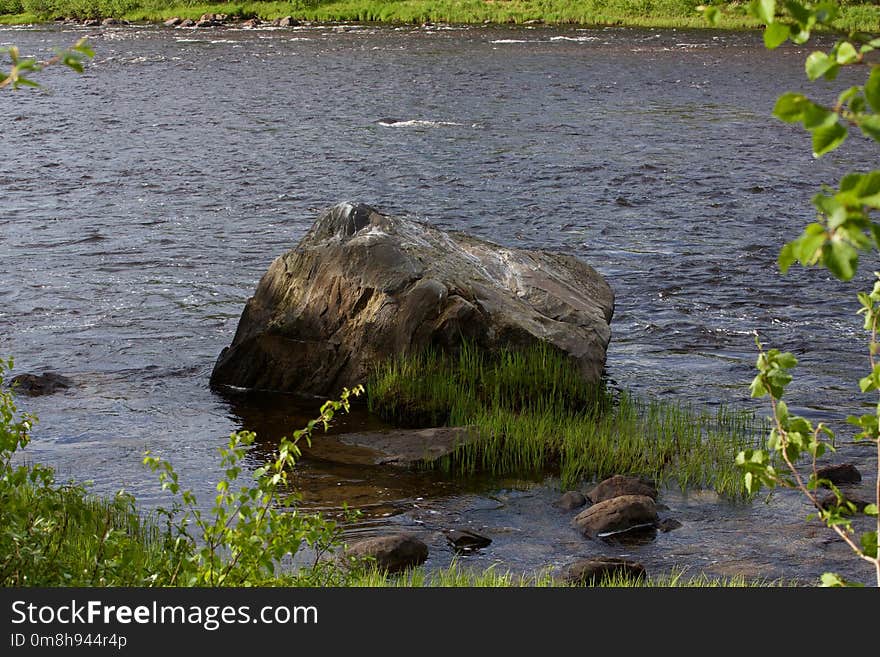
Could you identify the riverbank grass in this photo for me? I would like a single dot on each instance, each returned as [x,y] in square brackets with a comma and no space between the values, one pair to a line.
[61,536]
[632,13]
[533,412]
[456,575]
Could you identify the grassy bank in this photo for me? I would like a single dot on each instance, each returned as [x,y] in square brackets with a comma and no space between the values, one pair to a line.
[644,13]
[534,413]
[457,576]
[61,536]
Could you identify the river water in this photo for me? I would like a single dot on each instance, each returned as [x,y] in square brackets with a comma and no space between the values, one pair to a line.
[143,200]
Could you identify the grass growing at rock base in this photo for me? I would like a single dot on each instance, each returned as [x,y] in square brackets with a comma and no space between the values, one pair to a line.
[634,13]
[534,412]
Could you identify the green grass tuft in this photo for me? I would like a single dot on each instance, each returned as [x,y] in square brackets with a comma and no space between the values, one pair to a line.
[456,575]
[534,412]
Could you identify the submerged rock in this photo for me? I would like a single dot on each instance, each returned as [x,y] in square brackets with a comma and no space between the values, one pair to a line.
[590,572]
[36,385]
[844,473]
[363,286]
[617,515]
[391,553]
[571,500]
[828,500]
[668,524]
[622,485]
[466,540]
[399,447]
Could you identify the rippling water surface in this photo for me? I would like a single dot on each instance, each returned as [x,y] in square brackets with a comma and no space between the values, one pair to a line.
[142,201]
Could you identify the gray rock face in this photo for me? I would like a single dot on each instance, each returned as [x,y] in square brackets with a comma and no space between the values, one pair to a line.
[362,286]
[621,485]
[591,571]
[391,553]
[619,514]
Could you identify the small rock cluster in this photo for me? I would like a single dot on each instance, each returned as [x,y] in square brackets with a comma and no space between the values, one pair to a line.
[620,507]
[216,20]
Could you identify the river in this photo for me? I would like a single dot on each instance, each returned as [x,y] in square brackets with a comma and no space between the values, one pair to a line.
[143,200]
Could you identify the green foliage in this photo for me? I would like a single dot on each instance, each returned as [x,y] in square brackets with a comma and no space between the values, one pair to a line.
[11,7]
[60,535]
[245,538]
[23,67]
[645,13]
[844,227]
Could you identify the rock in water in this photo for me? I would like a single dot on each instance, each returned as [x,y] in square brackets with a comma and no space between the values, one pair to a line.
[392,553]
[622,485]
[571,500]
[40,384]
[590,572]
[844,473]
[466,540]
[618,514]
[362,286]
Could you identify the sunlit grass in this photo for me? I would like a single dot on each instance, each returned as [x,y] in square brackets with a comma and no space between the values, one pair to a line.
[458,575]
[533,412]
[66,537]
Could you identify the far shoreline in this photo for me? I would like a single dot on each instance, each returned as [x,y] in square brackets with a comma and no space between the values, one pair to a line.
[680,14]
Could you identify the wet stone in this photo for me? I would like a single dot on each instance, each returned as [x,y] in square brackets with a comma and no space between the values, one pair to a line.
[668,524]
[392,553]
[590,572]
[622,485]
[36,385]
[571,500]
[844,473]
[466,540]
[617,515]
[828,500]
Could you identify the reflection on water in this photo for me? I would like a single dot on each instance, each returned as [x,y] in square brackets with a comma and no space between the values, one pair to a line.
[143,201]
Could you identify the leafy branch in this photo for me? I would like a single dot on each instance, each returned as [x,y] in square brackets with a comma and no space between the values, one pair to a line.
[843,228]
[23,67]
[245,536]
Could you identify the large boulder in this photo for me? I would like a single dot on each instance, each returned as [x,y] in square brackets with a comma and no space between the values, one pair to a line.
[363,286]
